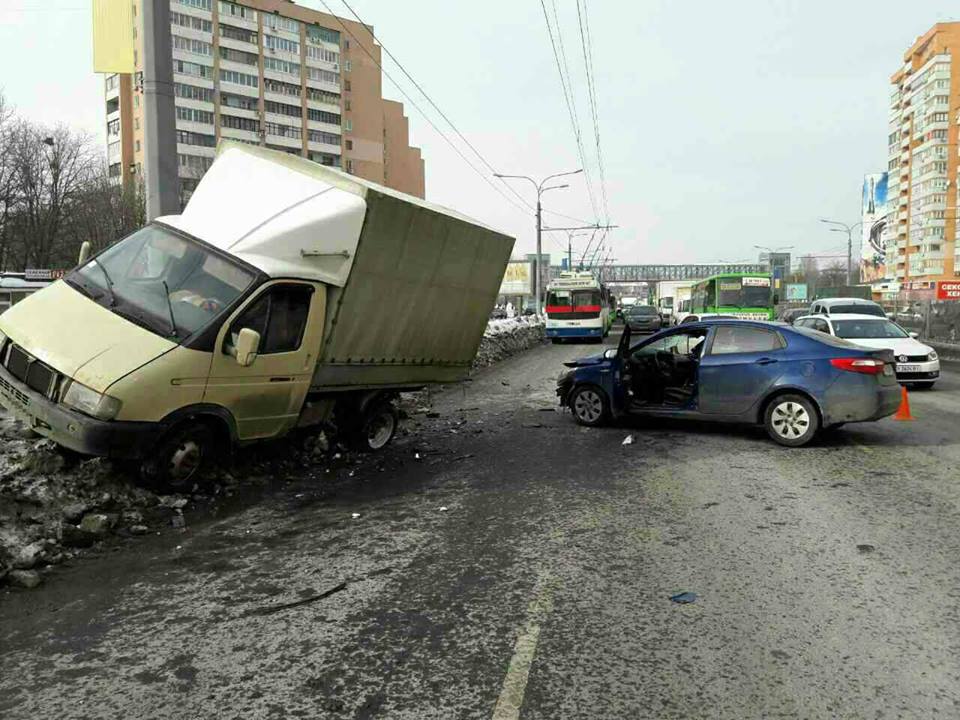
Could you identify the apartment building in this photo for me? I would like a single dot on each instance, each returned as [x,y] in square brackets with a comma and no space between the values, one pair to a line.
[923,161]
[269,72]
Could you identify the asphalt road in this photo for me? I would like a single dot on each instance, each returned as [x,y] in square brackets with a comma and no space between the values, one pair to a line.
[507,563]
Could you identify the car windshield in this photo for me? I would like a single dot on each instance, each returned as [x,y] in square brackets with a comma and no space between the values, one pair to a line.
[732,292]
[163,281]
[642,310]
[867,329]
[857,309]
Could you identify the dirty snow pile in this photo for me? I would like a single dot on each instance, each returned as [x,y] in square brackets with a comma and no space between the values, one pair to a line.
[504,338]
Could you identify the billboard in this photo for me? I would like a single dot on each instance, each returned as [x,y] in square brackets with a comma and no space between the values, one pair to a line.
[796,292]
[948,290]
[873,246]
[518,278]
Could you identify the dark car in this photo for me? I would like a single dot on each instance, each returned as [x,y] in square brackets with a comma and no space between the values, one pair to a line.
[793,381]
[642,319]
[790,315]
[498,313]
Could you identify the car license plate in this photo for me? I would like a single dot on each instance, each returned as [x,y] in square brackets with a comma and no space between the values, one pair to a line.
[908,368]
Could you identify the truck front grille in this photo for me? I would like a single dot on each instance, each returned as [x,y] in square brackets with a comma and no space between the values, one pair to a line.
[27,369]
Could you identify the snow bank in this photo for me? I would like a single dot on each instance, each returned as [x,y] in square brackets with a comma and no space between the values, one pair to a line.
[504,338]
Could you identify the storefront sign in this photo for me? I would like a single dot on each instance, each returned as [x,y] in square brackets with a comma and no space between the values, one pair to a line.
[948,290]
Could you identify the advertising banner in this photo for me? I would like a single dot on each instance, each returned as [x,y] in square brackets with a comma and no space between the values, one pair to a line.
[796,292]
[948,290]
[873,246]
[517,279]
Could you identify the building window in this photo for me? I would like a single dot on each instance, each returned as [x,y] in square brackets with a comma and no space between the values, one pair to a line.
[347,105]
[136,101]
[193,115]
[278,22]
[112,82]
[194,163]
[282,109]
[324,96]
[239,78]
[349,166]
[323,116]
[325,159]
[197,47]
[240,123]
[281,66]
[137,145]
[346,85]
[321,53]
[113,128]
[294,133]
[235,33]
[348,125]
[323,75]
[347,66]
[240,102]
[192,92]
[185,137]
[136,123]
[189,21]
[281,88]
[278,43]
[323,137]
[349,144]
[114,170]
[199,4]
[195,69]
[238,11]
[238,56]
[317,35]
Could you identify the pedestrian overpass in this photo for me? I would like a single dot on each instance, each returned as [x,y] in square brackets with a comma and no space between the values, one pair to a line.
[611,274]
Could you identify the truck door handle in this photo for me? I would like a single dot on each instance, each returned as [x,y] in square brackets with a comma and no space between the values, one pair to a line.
[766,361]
[281,379]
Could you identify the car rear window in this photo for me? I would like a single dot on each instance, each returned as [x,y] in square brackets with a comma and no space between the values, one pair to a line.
[860,309]
[642,310]
[741,339]
[824,338]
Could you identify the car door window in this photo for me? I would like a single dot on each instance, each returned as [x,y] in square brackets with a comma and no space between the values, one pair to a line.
[821,326]
[738,339]
[279,315]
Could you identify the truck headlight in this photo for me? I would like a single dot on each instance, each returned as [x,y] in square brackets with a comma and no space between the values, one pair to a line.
[931,356]
[90,402]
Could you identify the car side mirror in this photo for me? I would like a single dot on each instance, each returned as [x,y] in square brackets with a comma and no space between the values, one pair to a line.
[610,353]
[914,335]
[248,342]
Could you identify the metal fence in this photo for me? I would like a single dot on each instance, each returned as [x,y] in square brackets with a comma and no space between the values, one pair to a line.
[937,320]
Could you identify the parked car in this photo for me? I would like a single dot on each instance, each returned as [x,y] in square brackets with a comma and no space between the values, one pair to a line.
[789,315]
[498,313]
[643,319]
[698,317]
[793,381]
[844,306]
[916,363]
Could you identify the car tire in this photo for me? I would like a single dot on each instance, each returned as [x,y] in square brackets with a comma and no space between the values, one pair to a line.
[589,405]
[555,341]
[791,420]
[376,428]
[180,457]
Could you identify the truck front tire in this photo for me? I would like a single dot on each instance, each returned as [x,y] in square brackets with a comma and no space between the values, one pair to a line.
[180,456]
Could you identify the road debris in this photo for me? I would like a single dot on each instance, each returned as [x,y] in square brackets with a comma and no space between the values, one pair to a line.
[355,516]
[684,598]
[865,549]
[297,603]
[628,440]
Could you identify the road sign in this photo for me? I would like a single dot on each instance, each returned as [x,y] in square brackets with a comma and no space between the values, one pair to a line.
[948,290]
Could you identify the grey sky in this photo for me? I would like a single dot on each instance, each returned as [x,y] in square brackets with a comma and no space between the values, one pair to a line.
[723,125]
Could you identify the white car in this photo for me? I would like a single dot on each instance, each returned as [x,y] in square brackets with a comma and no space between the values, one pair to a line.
[916,363]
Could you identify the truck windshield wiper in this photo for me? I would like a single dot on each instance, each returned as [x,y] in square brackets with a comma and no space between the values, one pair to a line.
[106,276]
[173,323]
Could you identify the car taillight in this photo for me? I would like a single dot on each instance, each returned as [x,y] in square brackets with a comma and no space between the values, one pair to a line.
[867,366]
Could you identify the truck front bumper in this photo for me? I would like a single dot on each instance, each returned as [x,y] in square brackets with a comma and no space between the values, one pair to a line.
[73,430]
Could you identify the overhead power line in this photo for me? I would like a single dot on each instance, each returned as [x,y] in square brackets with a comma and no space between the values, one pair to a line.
[587,46]
[453,145]
[436,107]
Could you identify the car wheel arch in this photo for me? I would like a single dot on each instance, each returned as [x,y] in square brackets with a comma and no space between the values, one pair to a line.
[219,418]
[788,390]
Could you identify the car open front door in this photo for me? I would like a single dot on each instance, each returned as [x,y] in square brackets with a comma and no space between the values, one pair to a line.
[265,396]
[740,364]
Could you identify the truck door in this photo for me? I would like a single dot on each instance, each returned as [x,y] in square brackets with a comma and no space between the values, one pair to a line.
[265,397]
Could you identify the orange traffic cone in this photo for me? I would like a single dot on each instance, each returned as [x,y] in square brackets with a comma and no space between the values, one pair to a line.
[903,412]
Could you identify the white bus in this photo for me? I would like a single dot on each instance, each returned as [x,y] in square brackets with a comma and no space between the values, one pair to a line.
[578,306]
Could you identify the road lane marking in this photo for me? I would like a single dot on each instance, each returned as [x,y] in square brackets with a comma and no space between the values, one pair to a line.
[518,672]
[865,448]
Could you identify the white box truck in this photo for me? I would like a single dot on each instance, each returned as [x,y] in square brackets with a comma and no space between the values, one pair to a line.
[286,295]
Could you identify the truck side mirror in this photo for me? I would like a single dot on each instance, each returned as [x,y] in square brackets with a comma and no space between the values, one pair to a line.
[248,342]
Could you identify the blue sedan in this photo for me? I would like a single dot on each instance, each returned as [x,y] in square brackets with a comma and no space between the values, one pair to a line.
[791,380]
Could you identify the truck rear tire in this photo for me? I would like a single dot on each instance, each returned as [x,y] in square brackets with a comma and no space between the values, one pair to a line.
[179,458]
[376,428]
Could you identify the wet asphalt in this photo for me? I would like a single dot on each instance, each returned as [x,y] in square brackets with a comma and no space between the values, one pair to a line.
[506,563]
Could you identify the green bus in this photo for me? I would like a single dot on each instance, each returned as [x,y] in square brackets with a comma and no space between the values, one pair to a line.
[748,296]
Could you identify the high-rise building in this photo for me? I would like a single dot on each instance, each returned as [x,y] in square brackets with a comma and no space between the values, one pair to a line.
[923,162]
[269,72]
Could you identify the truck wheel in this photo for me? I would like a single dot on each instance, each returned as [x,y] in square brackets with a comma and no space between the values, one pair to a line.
[589,405]
[791,420]
[376,428]
[180,456]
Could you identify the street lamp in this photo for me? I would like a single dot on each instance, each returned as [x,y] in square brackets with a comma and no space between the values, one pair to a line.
[848,229]
[540,191]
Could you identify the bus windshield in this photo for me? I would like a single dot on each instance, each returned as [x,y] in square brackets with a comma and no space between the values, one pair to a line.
[732,294]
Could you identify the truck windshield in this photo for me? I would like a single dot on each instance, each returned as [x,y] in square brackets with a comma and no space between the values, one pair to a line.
[163,281]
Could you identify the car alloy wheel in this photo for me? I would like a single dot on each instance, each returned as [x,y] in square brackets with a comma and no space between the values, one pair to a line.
[589,406]
[791,420]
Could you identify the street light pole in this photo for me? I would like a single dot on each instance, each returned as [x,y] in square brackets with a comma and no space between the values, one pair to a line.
[849,230]
[540,191]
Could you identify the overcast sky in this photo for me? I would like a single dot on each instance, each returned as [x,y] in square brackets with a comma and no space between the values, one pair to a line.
[722,125]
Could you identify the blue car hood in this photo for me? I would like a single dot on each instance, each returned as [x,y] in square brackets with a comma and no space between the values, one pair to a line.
[586,361]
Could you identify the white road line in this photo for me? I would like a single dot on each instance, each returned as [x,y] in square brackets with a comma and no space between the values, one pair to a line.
[518,672]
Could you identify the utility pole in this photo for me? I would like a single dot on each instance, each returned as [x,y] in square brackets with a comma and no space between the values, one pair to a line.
[159,114]
[540,191]
[843,227]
